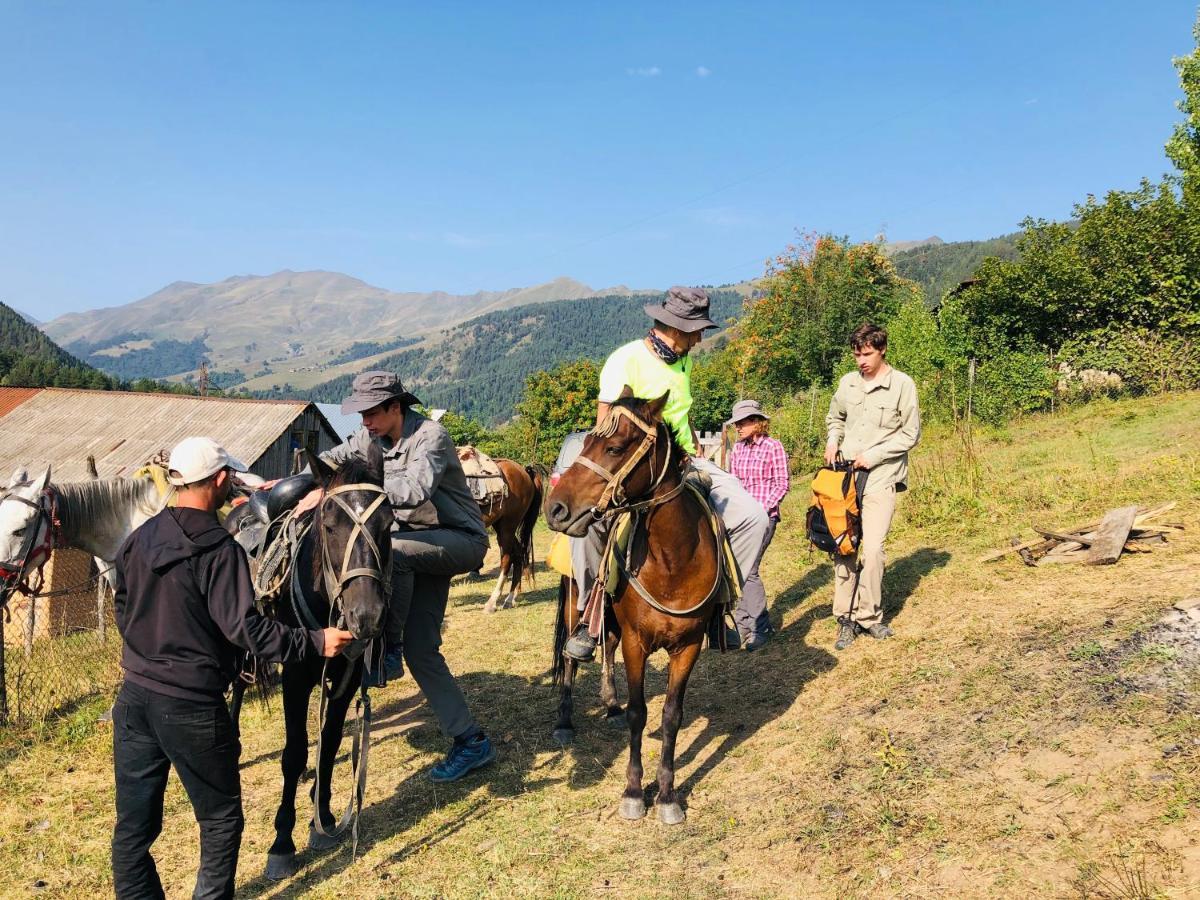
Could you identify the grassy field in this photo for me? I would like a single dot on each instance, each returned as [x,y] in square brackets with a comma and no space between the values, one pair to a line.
[1028,731]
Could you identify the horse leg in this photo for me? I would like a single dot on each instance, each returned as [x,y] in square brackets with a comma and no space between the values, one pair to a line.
[331,741]
[613,714]
[297,685]
[678,670]
[516,568]
[490,606]
[565,668]
[633,801]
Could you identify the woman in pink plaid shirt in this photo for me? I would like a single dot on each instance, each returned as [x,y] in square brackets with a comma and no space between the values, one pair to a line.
[760,463]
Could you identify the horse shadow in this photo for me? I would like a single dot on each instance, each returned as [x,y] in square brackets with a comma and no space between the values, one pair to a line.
[521,733]
[767,683]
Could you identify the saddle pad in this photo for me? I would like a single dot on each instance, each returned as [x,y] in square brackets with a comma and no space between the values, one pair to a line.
[477,464]
[559,557]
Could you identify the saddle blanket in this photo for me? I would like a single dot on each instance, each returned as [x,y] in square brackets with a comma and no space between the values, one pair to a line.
[483,475]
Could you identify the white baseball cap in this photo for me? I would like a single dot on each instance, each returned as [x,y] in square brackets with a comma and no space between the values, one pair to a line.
[196,458]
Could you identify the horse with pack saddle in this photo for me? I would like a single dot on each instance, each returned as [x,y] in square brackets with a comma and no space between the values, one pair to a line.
[509,495]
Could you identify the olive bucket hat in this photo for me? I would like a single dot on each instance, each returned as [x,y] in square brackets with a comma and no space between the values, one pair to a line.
[685,308]
[746,409]
[372,388]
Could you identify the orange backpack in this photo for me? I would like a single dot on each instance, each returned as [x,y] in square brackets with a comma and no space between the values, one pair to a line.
[834,520]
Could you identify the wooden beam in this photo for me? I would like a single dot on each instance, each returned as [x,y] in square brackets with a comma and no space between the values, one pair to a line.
[1110,539]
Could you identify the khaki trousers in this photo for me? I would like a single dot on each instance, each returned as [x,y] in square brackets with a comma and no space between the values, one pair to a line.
[878,507]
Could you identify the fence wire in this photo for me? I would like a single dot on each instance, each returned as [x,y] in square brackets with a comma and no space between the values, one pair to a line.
[59,649]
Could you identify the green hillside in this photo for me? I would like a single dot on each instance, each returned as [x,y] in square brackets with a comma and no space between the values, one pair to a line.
[478,368]
[939,267]
[30,359]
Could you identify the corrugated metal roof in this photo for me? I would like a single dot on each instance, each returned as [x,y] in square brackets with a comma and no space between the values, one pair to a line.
[122,430]
[11,398]
[345,424]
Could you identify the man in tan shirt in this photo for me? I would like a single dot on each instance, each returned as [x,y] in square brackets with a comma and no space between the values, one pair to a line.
[873,421]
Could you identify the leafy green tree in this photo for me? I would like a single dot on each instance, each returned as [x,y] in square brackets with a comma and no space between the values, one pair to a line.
[1183,147]
[463,429]
[714,390]
[816,294]
[557,402]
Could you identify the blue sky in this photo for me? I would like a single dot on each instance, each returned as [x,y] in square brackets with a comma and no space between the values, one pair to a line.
[485,146]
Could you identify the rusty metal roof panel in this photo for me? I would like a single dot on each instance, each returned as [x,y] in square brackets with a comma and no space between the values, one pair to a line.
[12,397]
[123,430]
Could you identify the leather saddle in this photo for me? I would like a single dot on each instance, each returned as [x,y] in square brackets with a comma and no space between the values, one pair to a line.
[250,529]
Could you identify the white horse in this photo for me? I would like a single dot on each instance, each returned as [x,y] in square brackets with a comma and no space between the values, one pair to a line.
[37,517]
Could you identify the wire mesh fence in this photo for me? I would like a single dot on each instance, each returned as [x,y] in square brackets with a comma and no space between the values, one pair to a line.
[60,648]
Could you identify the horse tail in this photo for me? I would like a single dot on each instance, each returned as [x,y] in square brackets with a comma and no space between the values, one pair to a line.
[525,535]
[559,665]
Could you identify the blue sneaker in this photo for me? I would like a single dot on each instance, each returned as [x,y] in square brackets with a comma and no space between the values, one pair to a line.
[463,757]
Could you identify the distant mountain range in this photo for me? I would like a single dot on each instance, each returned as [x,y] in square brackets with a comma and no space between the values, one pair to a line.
[30,359]
[938,266]
[281,323]
[900,246]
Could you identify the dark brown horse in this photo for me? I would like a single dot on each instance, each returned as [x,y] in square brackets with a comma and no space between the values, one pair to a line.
[512,517]
[631,463]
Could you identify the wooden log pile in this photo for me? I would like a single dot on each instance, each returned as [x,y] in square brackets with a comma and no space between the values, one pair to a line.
[1127,529]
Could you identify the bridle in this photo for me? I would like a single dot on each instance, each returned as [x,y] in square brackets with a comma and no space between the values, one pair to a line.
[613,498]
[36,545]
[335,582]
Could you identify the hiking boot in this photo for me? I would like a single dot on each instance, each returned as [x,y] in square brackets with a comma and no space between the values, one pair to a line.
[391,669]
[879,631]
[755,642]
[464,756]
[580,645]
[847,632]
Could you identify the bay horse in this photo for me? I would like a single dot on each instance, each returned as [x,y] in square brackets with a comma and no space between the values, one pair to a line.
[668,593]
[513,518]
[564,669]
[342,576]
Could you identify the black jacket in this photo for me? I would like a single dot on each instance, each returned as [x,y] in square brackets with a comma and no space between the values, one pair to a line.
[184,605]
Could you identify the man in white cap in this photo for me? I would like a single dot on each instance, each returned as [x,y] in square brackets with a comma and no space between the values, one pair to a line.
[651,366]
[185,608]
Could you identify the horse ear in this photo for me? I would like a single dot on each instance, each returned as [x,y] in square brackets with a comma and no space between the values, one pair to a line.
[320,469]
[375,458]
[20,476]
[626,393]
[656,407]
[42,480]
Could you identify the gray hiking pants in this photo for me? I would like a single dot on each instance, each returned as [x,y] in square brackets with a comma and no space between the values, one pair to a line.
[751,614]
[422,565]
[744,518]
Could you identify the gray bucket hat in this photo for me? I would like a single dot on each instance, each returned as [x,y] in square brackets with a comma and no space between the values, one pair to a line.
[372,388]
[744,409]
[685,308]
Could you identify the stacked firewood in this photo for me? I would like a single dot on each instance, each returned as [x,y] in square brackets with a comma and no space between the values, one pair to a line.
[1127,529]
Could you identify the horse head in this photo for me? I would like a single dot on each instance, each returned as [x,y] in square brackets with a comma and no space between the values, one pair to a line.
[353,547]
[623,460]
[24,526]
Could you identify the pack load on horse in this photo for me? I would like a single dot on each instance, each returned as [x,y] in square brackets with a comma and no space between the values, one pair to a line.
[330,563]
[667,579]
[509,496]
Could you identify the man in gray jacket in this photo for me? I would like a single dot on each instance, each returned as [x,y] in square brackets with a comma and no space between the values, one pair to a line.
[438,533]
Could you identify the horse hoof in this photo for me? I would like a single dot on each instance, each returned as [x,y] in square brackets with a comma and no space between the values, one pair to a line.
[318,841]
[633,808]
[671,813]
[616,720]
[510,601]
[564,736]
[281,866]
[489,608]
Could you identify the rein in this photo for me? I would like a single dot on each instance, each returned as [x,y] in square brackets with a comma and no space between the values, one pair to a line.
[335,586]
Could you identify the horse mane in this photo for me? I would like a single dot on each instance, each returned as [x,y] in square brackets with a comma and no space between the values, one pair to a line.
[612,421]
[90,501]
[356,470]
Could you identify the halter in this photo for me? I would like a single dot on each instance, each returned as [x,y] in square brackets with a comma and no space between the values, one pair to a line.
[37,543]
[335,583]
[613,498]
